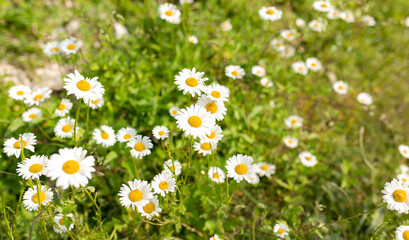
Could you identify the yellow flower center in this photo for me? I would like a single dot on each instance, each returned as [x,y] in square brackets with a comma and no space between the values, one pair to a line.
[314,64]
[104,135]
[404,151]
[172,168]
[290,141]
[35,197]
[241,169]
[264,167]
[71,46]
[294,121]
[212,135]
[66,128]
[281,230]
[340,87]
[17,144]
[54,49]
[174,112]
[195,121]
[32,115]
[192,82]
[169,13]
[406,235]
[278,44]
[38,97]
[216,175]
[161,133]
[404,179]
[266,83]
[205,146]
[235,73]
[211,107]
[94,101]
[83,85]
[300,68]
[215,94]
[289,35]
[324,5]
[139,147]
[308,158]
[127,136]
[163,185]
[148,208]
[71,167]
[61,107]
[316,25]
[270,11]
[399,195]
[35,168]
[20,93]
[61,221]
[135,195]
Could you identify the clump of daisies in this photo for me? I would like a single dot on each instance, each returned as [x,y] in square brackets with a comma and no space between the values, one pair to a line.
[395,195]
[270,13]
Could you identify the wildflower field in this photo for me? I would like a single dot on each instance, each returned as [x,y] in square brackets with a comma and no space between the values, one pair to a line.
[204,119]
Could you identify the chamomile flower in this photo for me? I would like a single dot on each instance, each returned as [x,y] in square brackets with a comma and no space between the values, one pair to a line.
[287,51]
[278,44]
[215,134]
[403,177]
[266,83]
[33,197]
[163,183]
[403,168]
[340,87]
[13,146]
[173,111]
[151,208]
[265,169]
[299,22]
[140,145]
[65,127]
[254,179]
[240,167]
[31,113]
[364,98]
[322,6]
[105,136]
[160,132]
[368,21]
[59,226]
[226,26]
[204,147]
[396,196]
[95,103]
[215,237]
[294,121]
[52,48]
[186,1]
[347,17]
[32,167]
[63,108]
[290,142]
[270,13]
[333,14]
[193,39]
[316,26]
[126,134]
[38,96]
[190,81]
[287,35]
[71,167]
[216,109]
[313,64]
[258,70]
[234,72]
[173,167]
[82,87]
[216,174]
[70,45]
[402,233]
[170,13]
[134,194]
[307,159]
[281,230]
[217,92]
[195,121]
[300,68]
[404,150]
[19,92]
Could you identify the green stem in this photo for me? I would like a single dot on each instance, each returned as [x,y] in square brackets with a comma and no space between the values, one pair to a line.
[75,124]
[9,230]
[96,206]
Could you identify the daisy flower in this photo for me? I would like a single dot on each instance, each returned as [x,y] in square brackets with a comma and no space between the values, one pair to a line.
[300,68]
[258,70]
[83,88]
[402,233]
[254,179]
[216,174]
[59,226]
[307,159]
[322,6]
[287,51]
[215,134]
[170,13]
[265,169]
[364,98]
[368,20]
[404,150]
[195,121]
[31,113]
[333,14]
[316,25]
[32,167]
[65,127]
[239,167]
[186,1]
[396,196]
[278,44]
[193,39]
[299,22]
[52,48]
[71,167]
[234,71]
[126,134]
[270,13]
[38,96]
[173,167]
[266,83]
[404,168]
[347,17]
[281,230]
[190,81]
[33,197]
[290,142]
[136,193]
[340,87]
[70,45]
[160,132]
[63,108]
[140,146]
[403,177]
[294,121]
[96,103]
[287,35]
[151,208]
[173,111]
[163,183]
[217,92]
[19,92]
[215,237]
[105,136]
[216,109]
[313,64]
[13,146]
[226,26]
[204,147]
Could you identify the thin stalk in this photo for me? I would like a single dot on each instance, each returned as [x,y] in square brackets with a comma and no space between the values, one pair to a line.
[75,124]
[9,230]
